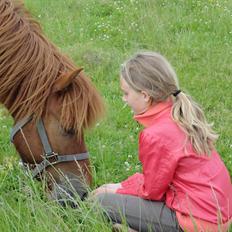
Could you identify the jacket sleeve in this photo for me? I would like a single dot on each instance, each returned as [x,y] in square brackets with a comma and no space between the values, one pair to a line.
[158,170]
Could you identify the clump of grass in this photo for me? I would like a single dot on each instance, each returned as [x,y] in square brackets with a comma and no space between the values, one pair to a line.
[25,207]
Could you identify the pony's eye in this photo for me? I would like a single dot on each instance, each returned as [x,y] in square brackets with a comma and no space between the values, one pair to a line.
[69,132]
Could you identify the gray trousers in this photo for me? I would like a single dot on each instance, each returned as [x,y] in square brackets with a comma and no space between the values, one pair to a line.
[139,214]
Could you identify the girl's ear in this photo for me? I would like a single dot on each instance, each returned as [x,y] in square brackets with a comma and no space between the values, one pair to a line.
[146,96]
[65,80]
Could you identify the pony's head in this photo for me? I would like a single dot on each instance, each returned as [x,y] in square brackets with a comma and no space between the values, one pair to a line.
[71,107]
[51,100]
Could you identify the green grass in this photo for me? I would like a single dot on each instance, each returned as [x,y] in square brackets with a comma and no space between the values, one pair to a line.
[196,37]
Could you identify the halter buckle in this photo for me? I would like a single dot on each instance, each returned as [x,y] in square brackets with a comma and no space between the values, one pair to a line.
[52,157]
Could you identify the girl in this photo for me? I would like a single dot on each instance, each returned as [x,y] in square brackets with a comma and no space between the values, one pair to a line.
[184,184]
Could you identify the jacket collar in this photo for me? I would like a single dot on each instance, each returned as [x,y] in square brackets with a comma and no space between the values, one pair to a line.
[154,112]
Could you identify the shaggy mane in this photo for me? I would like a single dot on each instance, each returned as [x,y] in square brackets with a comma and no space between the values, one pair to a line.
[29,66]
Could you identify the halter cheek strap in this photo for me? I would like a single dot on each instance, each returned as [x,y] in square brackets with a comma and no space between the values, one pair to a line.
[50,158]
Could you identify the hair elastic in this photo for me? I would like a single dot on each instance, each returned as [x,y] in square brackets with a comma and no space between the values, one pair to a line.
[176,93]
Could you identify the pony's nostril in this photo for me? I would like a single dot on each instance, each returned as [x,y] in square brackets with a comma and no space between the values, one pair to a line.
[84,195]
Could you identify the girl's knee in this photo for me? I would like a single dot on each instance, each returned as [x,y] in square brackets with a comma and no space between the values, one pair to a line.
[106,199]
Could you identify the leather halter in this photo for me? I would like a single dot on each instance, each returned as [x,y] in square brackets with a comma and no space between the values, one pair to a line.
[50,158]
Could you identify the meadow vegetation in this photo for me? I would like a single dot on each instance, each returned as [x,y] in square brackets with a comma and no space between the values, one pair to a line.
[196,36]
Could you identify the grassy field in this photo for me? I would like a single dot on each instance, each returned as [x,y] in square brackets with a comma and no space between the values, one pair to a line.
[196,36]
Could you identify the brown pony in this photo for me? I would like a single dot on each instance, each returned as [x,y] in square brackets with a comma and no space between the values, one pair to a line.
[38,83]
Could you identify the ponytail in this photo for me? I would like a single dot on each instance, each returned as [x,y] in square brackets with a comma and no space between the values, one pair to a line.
[190,117]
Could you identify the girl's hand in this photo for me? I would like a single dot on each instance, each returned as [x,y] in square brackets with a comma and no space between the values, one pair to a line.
[106,188]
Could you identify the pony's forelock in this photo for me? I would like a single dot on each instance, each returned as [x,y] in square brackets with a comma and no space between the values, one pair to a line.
[82,106]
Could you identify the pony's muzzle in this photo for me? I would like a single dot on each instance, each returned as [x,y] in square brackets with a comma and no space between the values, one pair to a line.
[69,190]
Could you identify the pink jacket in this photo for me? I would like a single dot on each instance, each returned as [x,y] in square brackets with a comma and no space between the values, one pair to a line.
[190,184]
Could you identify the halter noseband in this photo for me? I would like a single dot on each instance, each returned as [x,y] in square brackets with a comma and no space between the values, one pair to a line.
[49,157]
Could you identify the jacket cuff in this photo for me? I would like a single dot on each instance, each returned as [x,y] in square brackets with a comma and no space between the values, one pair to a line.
[132,185]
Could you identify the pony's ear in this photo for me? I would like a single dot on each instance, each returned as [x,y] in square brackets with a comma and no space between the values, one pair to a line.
[65,80]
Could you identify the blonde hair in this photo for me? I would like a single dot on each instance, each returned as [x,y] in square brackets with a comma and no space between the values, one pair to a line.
[151,72]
